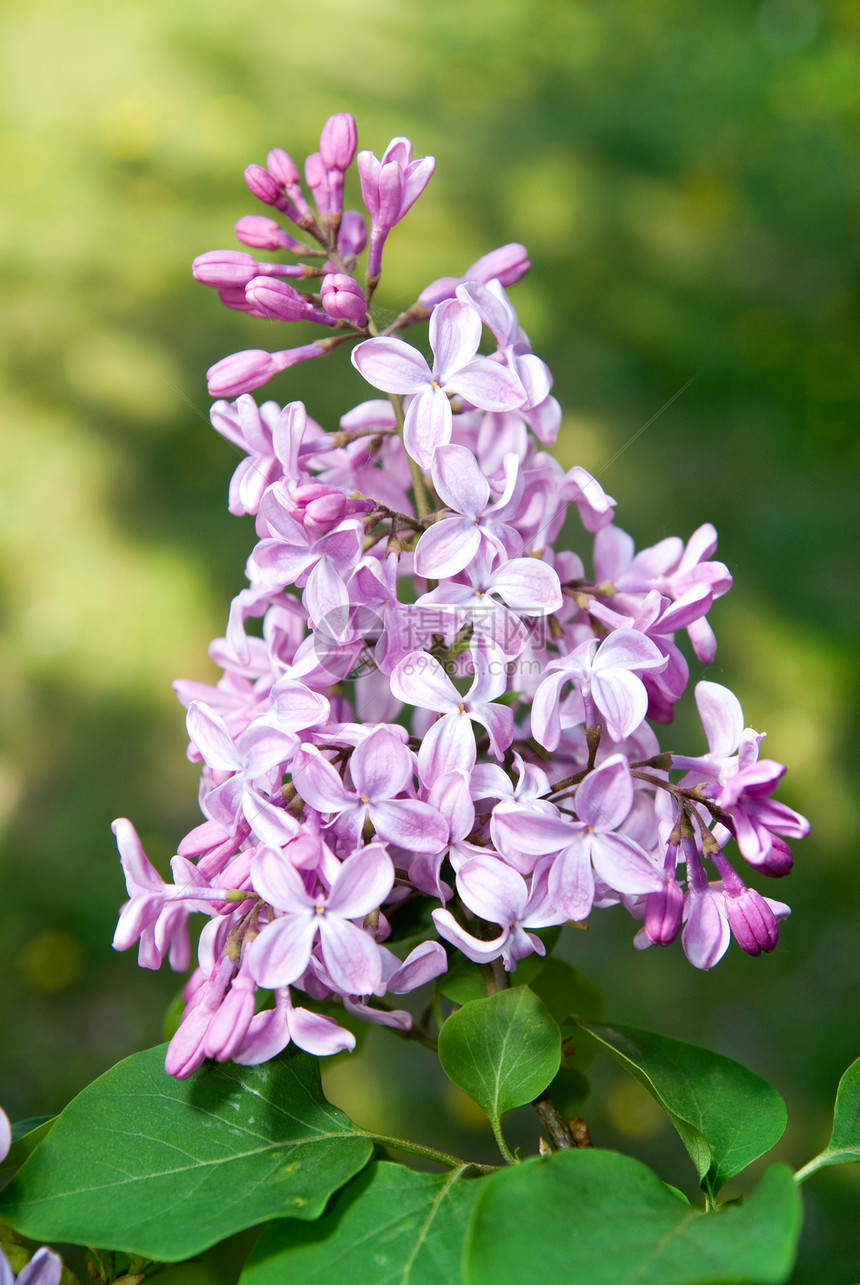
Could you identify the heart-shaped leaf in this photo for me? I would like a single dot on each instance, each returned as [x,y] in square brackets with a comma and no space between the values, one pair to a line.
[503,1050]
[726,1115]
[389,1224]
[598,1218]
[165,1168]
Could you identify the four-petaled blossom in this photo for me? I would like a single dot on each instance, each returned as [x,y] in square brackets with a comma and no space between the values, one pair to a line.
[449,743]
[282,951]
[397,367]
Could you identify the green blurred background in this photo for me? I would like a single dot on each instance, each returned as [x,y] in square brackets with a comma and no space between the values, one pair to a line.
[683,176]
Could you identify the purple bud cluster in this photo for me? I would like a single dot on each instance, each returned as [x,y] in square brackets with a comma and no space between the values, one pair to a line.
[433,703]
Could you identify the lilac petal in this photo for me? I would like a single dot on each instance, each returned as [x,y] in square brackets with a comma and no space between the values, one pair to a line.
[138,869]
[277,881]
[700,546]
[518,828]
[623,865]
[420,680]
[361,885]
[494,309]
[381,766]
[421,965]
[488,385]
[571,880]
[267,1035]
[613,552]
[280,954]
[326,599]
[459,481]
[209,733]
[622,700]
[318,1034]
[628,649]
[427,424]
[351,956]
[455,332]
[270,824]
[491,671]
[605,797]
[134,918]
[448,744]
[706,934]
[415,178]
[499,722]
[480,952]
[266,747]
[318,783]
[409,824]
[6,1133]
[704,641]
[492,890]
[545,717]
[392,365]
[529,586]
[297,707]
[446,547]
[722,718]
[44,1268]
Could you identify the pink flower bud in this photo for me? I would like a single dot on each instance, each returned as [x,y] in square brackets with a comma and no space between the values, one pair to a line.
[316,177]
[243,371]
[262,185]
[343,298]
[352,234]
[338,141]
[278,300]
[664,914]
[263,234]
[228,268]
[282,167]
[752,921]
[778,861]
[506,265]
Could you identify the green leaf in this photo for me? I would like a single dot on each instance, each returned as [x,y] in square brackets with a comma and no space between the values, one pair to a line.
[568,993]
[844,1144]
[389,1224]
[502,1050]
[165,1168]
[597,1218]
[26,1136]
[726,1115]
[463,982]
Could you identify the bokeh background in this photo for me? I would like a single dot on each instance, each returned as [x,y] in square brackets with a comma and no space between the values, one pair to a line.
[683,175]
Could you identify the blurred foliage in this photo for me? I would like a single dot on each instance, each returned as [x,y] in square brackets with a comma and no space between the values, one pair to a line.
[683,176]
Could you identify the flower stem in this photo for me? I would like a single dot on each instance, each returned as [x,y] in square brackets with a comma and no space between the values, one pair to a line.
[429,1153]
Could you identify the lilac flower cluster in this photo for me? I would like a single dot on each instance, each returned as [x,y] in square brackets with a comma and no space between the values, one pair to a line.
[438,704]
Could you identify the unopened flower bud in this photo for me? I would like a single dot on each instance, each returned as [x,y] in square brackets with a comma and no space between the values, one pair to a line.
[266,188]
[316,177]
[343,298]
[264,234]
[281,302]
[664,914]
[752,921]
[241,372]
[338,141]
[352,234]
[318,507]
[282,167]
[228,268]
[506,265]
[779,859]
